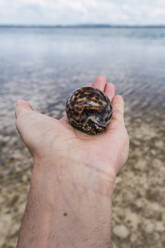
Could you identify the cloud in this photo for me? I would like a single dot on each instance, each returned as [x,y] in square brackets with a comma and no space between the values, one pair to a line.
[82,11]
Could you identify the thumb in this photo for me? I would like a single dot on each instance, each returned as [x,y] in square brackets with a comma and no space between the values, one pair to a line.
[118,111]
[22,108]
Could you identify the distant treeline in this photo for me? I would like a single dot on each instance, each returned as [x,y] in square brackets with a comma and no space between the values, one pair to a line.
[80,26]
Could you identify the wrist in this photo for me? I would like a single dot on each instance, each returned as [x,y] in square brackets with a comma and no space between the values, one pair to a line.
[73,173]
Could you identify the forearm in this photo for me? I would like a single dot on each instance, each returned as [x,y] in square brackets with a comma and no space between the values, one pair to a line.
[67,207]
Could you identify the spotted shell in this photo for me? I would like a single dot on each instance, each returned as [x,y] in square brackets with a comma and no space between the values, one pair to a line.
[89,110]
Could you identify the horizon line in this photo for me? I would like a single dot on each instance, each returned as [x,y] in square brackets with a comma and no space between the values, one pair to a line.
[82,25]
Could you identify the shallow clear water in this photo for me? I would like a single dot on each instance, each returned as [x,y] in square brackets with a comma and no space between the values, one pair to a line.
[133,58]
[43,65]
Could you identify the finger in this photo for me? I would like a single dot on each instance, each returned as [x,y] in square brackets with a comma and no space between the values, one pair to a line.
[22,107]
[109,90]
[100,83]
[90,84]
[118,110]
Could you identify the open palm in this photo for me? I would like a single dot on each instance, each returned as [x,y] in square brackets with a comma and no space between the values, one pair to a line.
[45,136]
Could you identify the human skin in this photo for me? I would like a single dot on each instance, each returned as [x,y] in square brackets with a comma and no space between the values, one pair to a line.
[69,202]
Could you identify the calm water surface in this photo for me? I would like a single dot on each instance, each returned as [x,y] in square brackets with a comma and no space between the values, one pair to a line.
[43,66]
[133,58]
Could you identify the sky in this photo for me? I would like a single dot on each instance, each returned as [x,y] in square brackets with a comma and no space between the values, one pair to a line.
[53,12]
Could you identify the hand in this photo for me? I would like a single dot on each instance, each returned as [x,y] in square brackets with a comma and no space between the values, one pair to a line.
[55,139]
[73,176]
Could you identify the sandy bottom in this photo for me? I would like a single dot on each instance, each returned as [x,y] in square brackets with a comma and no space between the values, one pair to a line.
[139,195]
